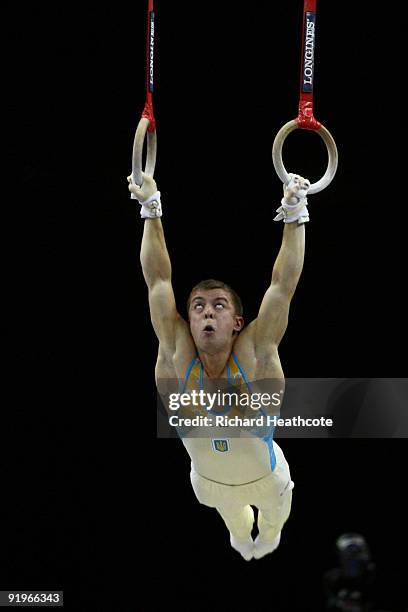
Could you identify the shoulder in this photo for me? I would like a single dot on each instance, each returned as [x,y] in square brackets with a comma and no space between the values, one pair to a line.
[244,345]
[259,360]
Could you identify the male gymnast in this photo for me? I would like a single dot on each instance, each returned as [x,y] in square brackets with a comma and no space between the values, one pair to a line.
[230,474]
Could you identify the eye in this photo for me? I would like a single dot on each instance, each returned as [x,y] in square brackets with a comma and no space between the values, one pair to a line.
[196,306]
[219,306]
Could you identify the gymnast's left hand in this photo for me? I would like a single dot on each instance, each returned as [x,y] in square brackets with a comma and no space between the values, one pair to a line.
[145,191]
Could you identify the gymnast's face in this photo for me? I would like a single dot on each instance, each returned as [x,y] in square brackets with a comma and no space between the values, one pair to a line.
[213,321]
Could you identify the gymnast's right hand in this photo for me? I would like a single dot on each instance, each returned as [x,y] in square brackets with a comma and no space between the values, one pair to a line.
[143,192]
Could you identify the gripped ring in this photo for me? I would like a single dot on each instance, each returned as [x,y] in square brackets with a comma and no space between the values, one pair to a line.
[331,150]
[137,156]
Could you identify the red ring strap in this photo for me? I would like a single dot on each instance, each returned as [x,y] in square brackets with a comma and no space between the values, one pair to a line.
[148,109]
[305,118]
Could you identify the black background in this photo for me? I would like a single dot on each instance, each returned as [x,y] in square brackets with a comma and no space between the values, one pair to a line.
[92,503]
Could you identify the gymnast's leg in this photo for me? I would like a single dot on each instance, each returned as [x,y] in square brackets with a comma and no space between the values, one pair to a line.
[274,501]
[239,521]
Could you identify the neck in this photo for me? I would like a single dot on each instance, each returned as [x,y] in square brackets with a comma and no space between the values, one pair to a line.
[214,365]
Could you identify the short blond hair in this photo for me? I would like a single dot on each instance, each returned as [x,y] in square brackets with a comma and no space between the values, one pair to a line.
[211,283]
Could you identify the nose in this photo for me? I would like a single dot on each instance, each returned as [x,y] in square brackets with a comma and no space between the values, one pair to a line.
[208,312]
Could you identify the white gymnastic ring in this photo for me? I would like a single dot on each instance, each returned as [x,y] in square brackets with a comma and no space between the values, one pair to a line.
[137,155]
[331,150]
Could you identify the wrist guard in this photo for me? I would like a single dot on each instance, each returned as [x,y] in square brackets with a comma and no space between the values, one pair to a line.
[151,208]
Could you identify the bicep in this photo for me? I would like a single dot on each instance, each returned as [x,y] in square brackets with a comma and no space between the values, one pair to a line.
[176,346]
[163,313]
[272,319]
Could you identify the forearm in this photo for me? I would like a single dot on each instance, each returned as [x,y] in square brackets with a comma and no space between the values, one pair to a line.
[154,257]
[289,262]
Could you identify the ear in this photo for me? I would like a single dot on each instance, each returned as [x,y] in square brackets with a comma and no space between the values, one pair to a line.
[239,323]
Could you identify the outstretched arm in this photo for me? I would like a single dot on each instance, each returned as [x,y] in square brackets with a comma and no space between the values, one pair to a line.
[272,319]
[156,264]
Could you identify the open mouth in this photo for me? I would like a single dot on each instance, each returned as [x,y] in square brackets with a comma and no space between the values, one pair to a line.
[209,329]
